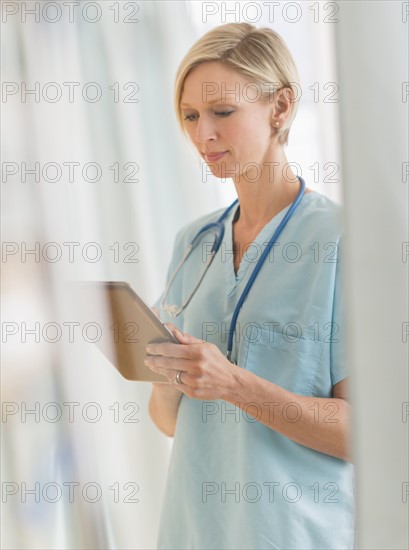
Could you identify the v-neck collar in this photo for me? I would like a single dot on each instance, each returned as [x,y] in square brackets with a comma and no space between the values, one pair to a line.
[233,279]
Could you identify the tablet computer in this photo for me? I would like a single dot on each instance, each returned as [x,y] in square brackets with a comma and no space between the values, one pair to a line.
[124,325]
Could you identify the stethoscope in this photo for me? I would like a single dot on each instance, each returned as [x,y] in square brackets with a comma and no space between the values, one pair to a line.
[218,228]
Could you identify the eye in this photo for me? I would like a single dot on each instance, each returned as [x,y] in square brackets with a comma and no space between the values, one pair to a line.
[224,113]
[221,114]
[189,117]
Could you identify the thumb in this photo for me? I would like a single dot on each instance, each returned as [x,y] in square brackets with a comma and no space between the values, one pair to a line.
[185,338]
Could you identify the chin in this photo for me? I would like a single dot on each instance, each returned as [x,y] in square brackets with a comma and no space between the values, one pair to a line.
[220,171]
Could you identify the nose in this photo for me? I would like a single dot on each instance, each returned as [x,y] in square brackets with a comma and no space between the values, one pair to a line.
[205,130]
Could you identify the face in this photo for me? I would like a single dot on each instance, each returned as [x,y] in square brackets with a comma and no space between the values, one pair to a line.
[223,113]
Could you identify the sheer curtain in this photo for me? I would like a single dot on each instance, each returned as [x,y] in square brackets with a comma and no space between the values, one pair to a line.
[86,468]
[96,181]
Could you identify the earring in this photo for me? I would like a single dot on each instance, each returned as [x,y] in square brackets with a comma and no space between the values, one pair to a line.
[277,123]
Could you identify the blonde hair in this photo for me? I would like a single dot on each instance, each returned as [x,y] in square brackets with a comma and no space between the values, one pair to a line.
[256,53]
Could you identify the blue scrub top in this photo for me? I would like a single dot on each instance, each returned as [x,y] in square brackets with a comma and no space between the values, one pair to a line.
[234,483]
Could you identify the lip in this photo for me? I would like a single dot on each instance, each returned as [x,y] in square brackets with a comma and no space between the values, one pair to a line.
[214,156]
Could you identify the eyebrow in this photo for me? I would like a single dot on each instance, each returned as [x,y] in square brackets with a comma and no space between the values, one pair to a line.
[208,102]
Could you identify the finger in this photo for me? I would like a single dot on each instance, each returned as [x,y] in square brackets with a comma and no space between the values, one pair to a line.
[174,330]
[167,349]
[190,351]
[182,336]
[161,349]
[185,338]
[168,363]
[170,374]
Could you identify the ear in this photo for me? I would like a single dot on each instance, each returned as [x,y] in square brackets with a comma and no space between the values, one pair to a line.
[283,105]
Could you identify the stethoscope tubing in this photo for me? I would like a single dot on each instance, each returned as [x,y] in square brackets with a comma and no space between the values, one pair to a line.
[259,264]
[219,228]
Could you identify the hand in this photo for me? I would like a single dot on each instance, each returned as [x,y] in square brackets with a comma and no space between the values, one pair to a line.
[205,371]
[163,387]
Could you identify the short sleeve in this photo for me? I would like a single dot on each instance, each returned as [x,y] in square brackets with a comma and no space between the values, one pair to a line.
[338,346]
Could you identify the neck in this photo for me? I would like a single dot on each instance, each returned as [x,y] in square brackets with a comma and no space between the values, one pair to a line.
[262,198]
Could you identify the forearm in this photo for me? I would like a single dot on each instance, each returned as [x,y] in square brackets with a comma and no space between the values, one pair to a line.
[319,423]
[163,407]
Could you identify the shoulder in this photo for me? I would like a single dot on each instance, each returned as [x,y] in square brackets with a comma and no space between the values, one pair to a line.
[322,217]
[322,206]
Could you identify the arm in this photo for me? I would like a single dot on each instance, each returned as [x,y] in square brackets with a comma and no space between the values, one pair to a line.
[319,423]
[163,407]
[164,401]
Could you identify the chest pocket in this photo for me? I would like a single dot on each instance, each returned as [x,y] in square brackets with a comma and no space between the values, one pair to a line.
[288,362]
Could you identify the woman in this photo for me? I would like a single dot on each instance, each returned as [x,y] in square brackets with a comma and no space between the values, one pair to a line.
[260,457]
